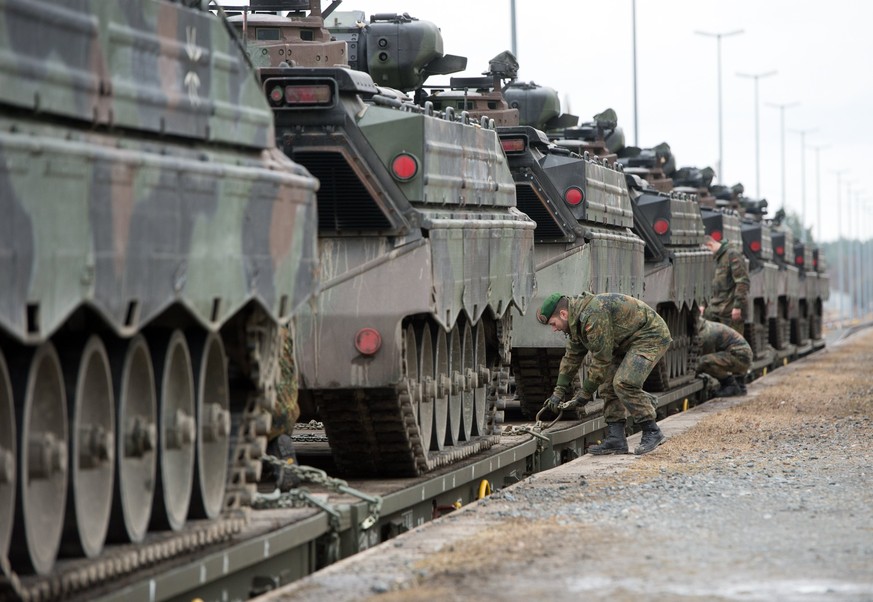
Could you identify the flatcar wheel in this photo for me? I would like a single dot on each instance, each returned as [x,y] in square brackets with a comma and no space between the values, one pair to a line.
[441,401]
[7,458]
[42,482]
[468,369]
[456,388]
[213,418]
[177,430]
[480,393]
[428,387]
[136,441]
[92,450]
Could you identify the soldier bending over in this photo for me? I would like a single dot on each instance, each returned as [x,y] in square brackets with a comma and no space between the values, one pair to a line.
[626,339]
[724,355]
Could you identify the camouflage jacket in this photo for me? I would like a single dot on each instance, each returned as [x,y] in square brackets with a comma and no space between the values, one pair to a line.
[715,337]
[607,325]
[730,285]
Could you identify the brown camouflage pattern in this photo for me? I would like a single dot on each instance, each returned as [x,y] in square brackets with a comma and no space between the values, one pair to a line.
[724,351]
[626,338]
[730,287]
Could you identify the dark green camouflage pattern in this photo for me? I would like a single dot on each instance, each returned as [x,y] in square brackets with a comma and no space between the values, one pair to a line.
[130,224]
[287,409]
[730,287]
[626,338]
[724,351]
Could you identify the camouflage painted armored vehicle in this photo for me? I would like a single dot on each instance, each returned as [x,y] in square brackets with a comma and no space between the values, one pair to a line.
[787,285]
[763,307]
[821,294]
[152,243]
[582,211]
[424,255]
[678,270]
[807,299]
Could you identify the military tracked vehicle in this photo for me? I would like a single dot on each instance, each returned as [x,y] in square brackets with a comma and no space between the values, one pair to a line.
[678,270]
[424,255]
[153,241]
[582,211]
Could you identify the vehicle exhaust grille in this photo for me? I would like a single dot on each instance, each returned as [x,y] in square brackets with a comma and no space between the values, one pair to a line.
[344,204]
[528,202]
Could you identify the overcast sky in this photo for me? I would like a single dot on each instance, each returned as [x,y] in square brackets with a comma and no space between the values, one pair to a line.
[822,52]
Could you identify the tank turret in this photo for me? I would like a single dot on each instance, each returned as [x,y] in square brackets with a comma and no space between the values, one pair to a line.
[397,50]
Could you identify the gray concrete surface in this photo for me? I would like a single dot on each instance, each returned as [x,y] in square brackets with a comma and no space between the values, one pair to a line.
[766,497]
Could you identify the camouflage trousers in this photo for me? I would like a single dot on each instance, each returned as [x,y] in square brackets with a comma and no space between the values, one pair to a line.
[737,325]
[286,411]
[725,363]
[622,391]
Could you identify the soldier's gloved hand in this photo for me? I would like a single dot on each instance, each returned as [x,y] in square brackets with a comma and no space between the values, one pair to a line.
[553,402]
[577,402]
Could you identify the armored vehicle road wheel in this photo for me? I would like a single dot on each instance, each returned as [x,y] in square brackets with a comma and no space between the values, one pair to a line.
[468,369]
[480,393]
[92,446]
[428,386]
[441,399]
[177,430]
[136,440]
[213,420]
[38,386]
[7,458]
[455,387]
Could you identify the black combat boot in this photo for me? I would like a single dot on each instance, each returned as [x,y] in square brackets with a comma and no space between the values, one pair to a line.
[741,383]
[282,448]
[615,442]
[729,388]
[652,437]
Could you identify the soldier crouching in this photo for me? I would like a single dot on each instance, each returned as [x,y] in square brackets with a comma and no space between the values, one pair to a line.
[725,354]
[626,339]
[285,415]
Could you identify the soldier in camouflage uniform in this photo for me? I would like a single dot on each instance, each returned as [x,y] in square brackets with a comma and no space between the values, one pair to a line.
[626,339]
[730,285]
[285,415]
[724,355]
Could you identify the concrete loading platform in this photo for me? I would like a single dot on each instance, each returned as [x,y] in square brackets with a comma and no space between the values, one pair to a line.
[764,497]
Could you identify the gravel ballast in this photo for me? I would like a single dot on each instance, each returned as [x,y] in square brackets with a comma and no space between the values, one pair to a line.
[765,497]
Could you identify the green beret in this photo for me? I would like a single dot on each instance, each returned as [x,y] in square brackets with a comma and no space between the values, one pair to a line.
[548,307]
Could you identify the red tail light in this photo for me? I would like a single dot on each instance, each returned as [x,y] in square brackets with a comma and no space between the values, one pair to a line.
[755,245]
[574,195]
[368,341]
[798,260]
[780,251]
[815,263]
[513,145]
[276,95]
[716,235]
[307,95]
[662,226]
[404,167]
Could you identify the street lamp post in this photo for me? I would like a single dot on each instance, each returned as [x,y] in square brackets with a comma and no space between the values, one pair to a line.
[718,37]
[803,134]
[634,27]
[818,230]
[840,252]
[782,107]
[756,77]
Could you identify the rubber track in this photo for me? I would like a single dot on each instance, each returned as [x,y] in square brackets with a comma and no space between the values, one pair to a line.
[374,433]
[535,371]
